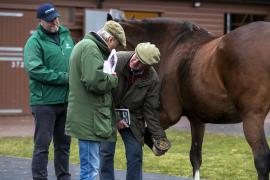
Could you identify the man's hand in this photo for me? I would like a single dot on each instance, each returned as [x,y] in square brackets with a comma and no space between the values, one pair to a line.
[122,124]
[114,74]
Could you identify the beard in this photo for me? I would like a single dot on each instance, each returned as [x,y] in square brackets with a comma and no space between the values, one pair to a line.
[53,29]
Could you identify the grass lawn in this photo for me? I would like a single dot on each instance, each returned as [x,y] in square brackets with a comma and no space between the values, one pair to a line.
[225,157]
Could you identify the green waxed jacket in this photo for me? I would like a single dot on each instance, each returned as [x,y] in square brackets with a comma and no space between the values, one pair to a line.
[90,113]
[141,98]
[47,66]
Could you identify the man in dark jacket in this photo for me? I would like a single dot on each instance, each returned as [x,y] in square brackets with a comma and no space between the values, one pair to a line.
[46,59]
[90,116]
[138,91]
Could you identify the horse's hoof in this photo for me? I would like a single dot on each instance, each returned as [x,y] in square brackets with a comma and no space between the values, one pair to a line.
[161,146]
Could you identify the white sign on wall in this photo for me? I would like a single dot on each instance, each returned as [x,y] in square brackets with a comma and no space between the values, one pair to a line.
[94,20]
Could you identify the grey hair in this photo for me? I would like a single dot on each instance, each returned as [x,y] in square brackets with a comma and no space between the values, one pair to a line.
[104,35]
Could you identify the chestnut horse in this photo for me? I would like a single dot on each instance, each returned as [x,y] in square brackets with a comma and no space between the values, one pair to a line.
[211,79]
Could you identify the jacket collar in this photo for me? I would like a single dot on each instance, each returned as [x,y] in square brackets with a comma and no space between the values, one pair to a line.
[62,30]
[99,42]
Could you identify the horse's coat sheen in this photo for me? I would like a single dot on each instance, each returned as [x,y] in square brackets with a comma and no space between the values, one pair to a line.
[212,79]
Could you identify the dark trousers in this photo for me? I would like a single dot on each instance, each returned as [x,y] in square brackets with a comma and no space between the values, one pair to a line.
[133,155]
[50,124]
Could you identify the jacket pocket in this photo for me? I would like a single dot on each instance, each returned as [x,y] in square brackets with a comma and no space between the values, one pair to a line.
[103,122]
[36,88]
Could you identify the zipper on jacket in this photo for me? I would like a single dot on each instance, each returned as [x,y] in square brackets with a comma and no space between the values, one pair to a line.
[62,50]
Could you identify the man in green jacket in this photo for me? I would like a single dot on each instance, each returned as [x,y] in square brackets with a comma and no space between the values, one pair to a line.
[138,91]
[46,59]
[90,116]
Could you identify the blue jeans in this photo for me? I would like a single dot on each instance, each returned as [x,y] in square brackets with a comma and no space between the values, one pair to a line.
[89,159]
[50,124]
[134,155]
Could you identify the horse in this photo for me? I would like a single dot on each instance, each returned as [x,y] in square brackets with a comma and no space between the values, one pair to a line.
[211,79]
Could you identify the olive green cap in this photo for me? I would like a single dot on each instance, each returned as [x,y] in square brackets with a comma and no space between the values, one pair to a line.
[147,53]
[116,30]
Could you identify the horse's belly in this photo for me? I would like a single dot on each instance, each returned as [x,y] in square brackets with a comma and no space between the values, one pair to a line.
[222,118]
[210,107]
[214,115]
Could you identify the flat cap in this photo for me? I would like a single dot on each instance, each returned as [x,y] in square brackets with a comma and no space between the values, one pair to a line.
[147,53]
[116,30]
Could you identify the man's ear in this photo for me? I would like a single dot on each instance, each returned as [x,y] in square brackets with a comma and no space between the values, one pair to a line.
[110,39]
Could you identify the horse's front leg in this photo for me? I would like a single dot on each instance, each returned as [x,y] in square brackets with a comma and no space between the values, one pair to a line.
[195,154]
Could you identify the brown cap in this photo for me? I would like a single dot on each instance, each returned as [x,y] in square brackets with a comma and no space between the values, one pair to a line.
[116,30]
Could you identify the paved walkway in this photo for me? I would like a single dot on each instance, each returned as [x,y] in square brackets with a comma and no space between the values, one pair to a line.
[12,168]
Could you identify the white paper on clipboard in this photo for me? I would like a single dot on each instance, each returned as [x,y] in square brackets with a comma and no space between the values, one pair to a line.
[110,64]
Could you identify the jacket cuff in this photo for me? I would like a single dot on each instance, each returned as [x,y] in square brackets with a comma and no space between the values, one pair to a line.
[114,81]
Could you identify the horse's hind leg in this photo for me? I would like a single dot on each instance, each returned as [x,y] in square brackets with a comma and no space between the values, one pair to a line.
[195,154]
[253,125]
